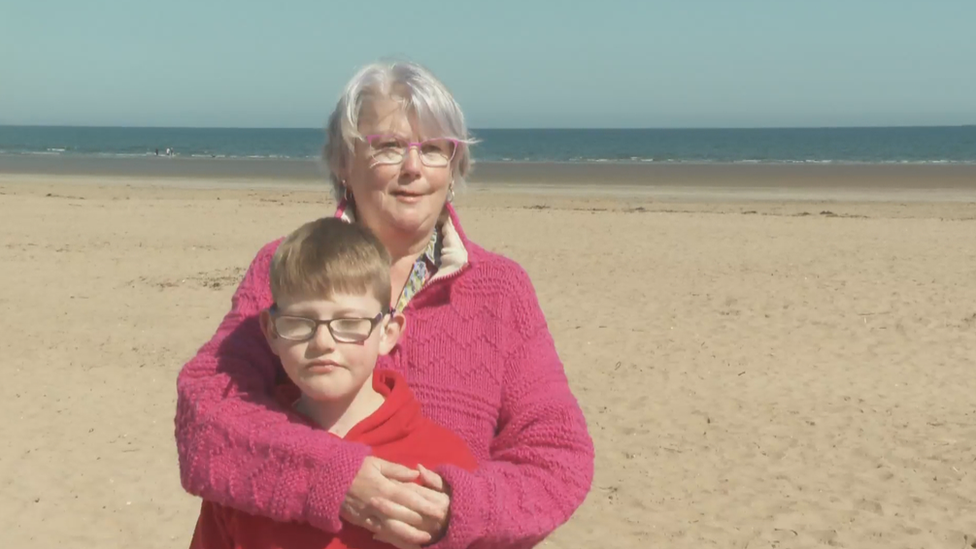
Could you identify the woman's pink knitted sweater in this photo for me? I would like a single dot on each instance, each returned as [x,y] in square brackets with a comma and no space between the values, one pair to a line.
[477,353]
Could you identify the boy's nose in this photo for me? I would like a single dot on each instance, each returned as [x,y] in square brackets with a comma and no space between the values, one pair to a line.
[323,338]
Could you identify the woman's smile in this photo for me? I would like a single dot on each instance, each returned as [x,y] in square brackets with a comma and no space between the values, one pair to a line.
[407,197]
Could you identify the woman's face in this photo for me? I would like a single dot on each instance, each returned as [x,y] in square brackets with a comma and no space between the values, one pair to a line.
[401,200]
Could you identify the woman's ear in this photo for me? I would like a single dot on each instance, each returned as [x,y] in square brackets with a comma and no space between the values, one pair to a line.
[391,332]
[341,171]
[267,328]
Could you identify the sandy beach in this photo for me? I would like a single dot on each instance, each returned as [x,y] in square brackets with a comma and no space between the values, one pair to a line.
[774,356]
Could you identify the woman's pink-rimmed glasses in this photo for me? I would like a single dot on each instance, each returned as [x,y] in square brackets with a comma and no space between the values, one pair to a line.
[434,153]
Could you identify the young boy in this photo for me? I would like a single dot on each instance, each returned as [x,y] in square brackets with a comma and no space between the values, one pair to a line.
[331,319]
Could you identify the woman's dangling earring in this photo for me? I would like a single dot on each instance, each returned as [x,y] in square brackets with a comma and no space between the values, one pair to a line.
[450,192]
[346,193]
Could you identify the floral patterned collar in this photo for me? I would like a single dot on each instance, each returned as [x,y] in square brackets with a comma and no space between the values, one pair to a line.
[423,269]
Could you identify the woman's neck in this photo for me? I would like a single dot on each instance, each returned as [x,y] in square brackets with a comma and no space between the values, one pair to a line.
[403,249]
[403,255]
[400,247]
[407,249]
[340,416]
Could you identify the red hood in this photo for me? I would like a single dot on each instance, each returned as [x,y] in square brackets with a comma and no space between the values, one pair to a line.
[392,421]
[397,417]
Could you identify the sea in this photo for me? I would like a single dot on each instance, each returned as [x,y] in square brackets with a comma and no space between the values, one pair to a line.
[875,145]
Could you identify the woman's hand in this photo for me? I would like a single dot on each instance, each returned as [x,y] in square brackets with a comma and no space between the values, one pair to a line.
[378,478]
[406,527]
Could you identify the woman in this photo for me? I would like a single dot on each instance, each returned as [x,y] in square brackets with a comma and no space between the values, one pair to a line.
[476,351]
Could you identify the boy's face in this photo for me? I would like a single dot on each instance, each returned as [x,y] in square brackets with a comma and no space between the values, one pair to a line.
[322,367]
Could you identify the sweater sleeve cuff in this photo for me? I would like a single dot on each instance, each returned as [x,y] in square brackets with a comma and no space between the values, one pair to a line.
[330,485]
[469,504]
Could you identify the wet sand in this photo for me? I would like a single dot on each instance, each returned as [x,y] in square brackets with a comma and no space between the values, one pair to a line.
[818,176]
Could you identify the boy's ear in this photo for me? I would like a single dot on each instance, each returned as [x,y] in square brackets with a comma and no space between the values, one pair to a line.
[268,330]
[391,332]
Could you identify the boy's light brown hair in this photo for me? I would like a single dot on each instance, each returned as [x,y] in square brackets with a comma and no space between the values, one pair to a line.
[329,256]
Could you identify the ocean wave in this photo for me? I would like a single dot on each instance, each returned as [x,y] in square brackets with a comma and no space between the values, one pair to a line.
[719,161]
[118,155]
[34,153]
[68,152]
[150,154]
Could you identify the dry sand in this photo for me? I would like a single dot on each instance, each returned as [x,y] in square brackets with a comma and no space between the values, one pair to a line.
[758,370]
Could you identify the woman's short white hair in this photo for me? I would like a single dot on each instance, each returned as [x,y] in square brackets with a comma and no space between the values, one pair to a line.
[424,96]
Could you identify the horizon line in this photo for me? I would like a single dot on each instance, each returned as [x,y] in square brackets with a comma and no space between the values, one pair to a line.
[535,128]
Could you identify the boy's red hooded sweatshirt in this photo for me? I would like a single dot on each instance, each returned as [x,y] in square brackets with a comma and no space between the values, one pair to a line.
[396,432]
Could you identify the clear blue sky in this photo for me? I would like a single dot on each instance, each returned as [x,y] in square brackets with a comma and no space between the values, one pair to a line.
[609,63]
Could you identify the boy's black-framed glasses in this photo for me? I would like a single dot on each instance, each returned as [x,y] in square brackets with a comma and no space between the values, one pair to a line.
[343,330]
